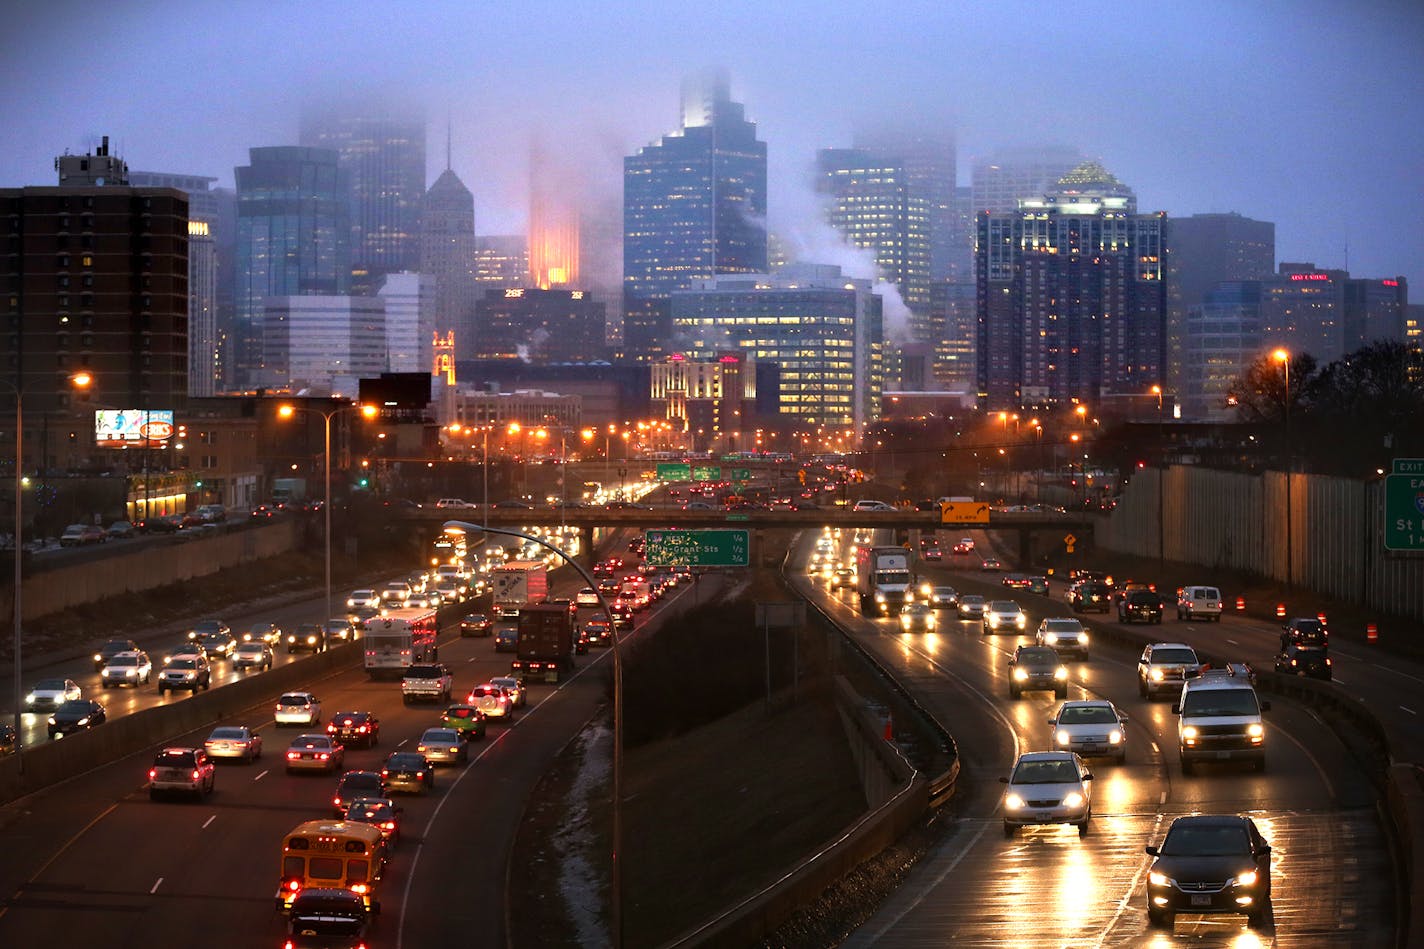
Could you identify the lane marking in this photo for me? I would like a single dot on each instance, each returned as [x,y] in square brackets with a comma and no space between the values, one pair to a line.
[1233,642]
[209,821]
[1163,798]
[1409,710]
[154,888]
[930,886]
[403,742]
[1156,750]
[1132,887]
[262,775]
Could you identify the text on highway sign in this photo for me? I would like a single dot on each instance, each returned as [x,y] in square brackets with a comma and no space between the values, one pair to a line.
[706,473]
[963,511]
[674,472]
[704,548]
[1404,512]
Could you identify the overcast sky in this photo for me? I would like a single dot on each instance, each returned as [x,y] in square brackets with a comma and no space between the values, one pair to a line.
[1308,113]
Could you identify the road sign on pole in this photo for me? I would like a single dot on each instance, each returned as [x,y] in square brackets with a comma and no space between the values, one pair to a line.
[1404,511]
[697,548]
[969,512]
[674,472]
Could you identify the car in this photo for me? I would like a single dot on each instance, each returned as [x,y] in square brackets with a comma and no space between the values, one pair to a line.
[452,502]
[1015,581]
[211,513]
[506,636]
[1088,595]
[234,741]
[449,591]
[189,673]
[442,746]
[1038,584]
[608,585]
[353,785]
[1090,728]
[514,686]
[76,715]
[492,700]
[408,771]
[378,811]
[313,752]
[112,648]
[465,718]
[965,545]
[621,611]
[8,744]
[160,524]
[254,655]
[1048,787]
[181,770]
[971,606]
[1004,616]
[588,596]
[943,597]
[1219,718]
[297,708]
[82,535]
[842,577]
[355,728]
[425,600]
[364,599]
[1310,661]
[269,633]
[52,693]
[185,651]
[1064,634]
[1037,669]
[1305,631]
[1163,667]
[475,624]
[218,645]
[866,504]
[1139,605]
[328,918]
[598,630]
[395,593]
[208,626]
[917,616]
[340,630]
[262,512]
[1210,863]
[127,668]
[1199,601]
[931,552]
[990,564]
[121,530]
[307,637]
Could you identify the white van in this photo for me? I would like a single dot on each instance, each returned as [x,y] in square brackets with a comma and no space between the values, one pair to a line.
[1219,719]
[1203,602]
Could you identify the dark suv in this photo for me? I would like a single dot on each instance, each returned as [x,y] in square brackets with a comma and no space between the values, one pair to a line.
[1310,661]
[1091,595]
[1140,606]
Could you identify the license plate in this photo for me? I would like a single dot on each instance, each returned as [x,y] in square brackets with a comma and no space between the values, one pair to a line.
[1223,754]
[1094,747]
[1201,899]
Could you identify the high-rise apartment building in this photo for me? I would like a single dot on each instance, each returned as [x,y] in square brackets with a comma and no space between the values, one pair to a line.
[410,321]
[823,329]
[999,182]
[872,202]
[930,163]
[324,343]
[382,153]
[1375,309]
[1070,298]
[694,206]
[540,326]
[953,316]
[501,260]
[447,252]
[293,237]
[96,279]
[1221,338]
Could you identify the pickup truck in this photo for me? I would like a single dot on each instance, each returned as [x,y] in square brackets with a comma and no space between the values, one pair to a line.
[185,770]
[431,681]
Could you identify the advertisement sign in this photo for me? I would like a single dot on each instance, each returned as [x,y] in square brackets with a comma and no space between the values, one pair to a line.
[132,428]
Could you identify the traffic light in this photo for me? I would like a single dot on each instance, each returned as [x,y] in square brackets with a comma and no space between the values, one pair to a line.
[364,482]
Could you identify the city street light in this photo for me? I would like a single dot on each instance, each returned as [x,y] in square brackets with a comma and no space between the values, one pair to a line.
[79,380]
[368,412]
[1282,356]
[1161,477]
[615,873]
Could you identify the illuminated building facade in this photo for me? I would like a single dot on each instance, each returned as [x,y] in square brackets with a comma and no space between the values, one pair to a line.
[383,156]
[501,260]
[553,223]
[712,396]
[953,318]
[202,309]
[410,321]
[324,343]
[540,326]
[694,206]
[998,183]
[824,330]
[929,160]
[1070,298]
[1303,309]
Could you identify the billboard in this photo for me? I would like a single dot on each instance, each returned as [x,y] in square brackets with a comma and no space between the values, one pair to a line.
[132,428]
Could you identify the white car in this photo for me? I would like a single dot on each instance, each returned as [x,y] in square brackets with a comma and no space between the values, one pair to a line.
[971,606]
[363,600]
[1065,634]
[1090,728]
[1005,616]
[514,687]
[588,596]
[52,693]
[127,668]
[869,505]
[298,708]
[1048,787]
[492,700]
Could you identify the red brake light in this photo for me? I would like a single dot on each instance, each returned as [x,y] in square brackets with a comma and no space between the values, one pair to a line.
[196,774]
[152,773]
[385,773]
[294,885]
[293,755]
[323,756]
[336,801]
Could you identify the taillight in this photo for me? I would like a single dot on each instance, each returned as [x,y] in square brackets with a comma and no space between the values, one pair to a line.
[361,888]
[323,756]
[385,773]
[362,728]
[389,825]
[293,755]
[196,775]
[294,885]
[152,773]
[336,801]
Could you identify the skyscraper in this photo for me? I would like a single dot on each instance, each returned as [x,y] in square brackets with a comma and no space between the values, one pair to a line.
[540,325]
[554,220]
[873,204]
[1070,297]
[930,164]
[694,206]
[383,155]
[1010,175]
[447,252]
[410,321]
[1221,337]
[321,342]
[293,237]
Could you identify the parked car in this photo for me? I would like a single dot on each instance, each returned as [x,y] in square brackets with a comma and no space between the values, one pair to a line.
[121,530]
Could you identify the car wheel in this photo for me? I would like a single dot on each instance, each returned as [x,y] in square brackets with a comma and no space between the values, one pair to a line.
[161,689]
[1008,829]
[1014,693]
[1188,767]
[1159,917]
[1083,826]
[153,794]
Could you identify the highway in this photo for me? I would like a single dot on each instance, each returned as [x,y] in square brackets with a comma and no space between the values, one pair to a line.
[1048,886]
[94,862]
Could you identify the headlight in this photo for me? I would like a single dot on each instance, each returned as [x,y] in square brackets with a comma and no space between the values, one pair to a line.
[1072,799]
[1063,737]
[83,721]
[1247,879]
[1189,732]
[52,721]
[1020,674]
[1060,673]
[930,621]
[1012,802]
[905,622]
[1083,638]
[1115,736]
[1020,621]
[1156,675]
[1158,879]
[98,657]
[993,621]
[291,639]
[30,699]
[1050,638]
[1256,730]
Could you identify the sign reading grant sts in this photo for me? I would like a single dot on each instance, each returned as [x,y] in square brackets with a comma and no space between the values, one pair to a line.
[693,548]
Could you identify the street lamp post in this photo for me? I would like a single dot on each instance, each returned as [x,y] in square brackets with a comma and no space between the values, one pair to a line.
[1161,477]
[286,412]
[615,875]
[1282,356]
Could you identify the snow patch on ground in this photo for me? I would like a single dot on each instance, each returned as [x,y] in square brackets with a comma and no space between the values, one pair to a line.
[581,869]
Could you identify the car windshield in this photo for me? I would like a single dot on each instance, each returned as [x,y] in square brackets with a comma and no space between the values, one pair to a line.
[405,760]
[438,735]
[248,648]
[75,707]
[184,663]
[1185,656]
[311,742]
[211,637]
[1209,702]
[174,759]
[359,780]
[1206,840]
[227,733]
[1063,626]
[1004,606]
[1087,715]
[116,645]
[481,691]
[460,712]
[208,626]
[972,599]
[119,660]
[292,700]
[1037,654]
[1057,771]
[1310,655]
[423,672]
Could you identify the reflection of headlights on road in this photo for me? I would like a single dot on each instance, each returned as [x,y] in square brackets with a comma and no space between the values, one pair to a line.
[1063,737]
[1246,879]
[1115,737]
[1156,675]
[1060,673]
[1158,879]
[930,621]
[1020,674]
[1189,732]
[1073,799]
[1013,802]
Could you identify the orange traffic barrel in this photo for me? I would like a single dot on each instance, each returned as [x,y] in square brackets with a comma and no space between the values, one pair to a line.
[1281,610]
[1240,604]
[1371,633]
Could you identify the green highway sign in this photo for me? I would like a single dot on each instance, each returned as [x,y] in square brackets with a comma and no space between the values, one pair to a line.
[1404,512]
[1409,466]
[696,548]
[706,473]
[741,474]
[674,472]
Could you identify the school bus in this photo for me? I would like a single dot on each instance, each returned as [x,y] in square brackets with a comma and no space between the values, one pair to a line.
[332,854]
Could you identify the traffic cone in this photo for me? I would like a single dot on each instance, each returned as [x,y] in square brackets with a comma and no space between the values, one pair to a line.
[889,727]
[1280,611]
[1371,633]
[1240,604]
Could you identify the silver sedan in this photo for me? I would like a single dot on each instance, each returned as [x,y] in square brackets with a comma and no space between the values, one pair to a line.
[442,746]
[234,741]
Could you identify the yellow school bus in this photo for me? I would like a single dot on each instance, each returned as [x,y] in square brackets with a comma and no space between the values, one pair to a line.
[332,854]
